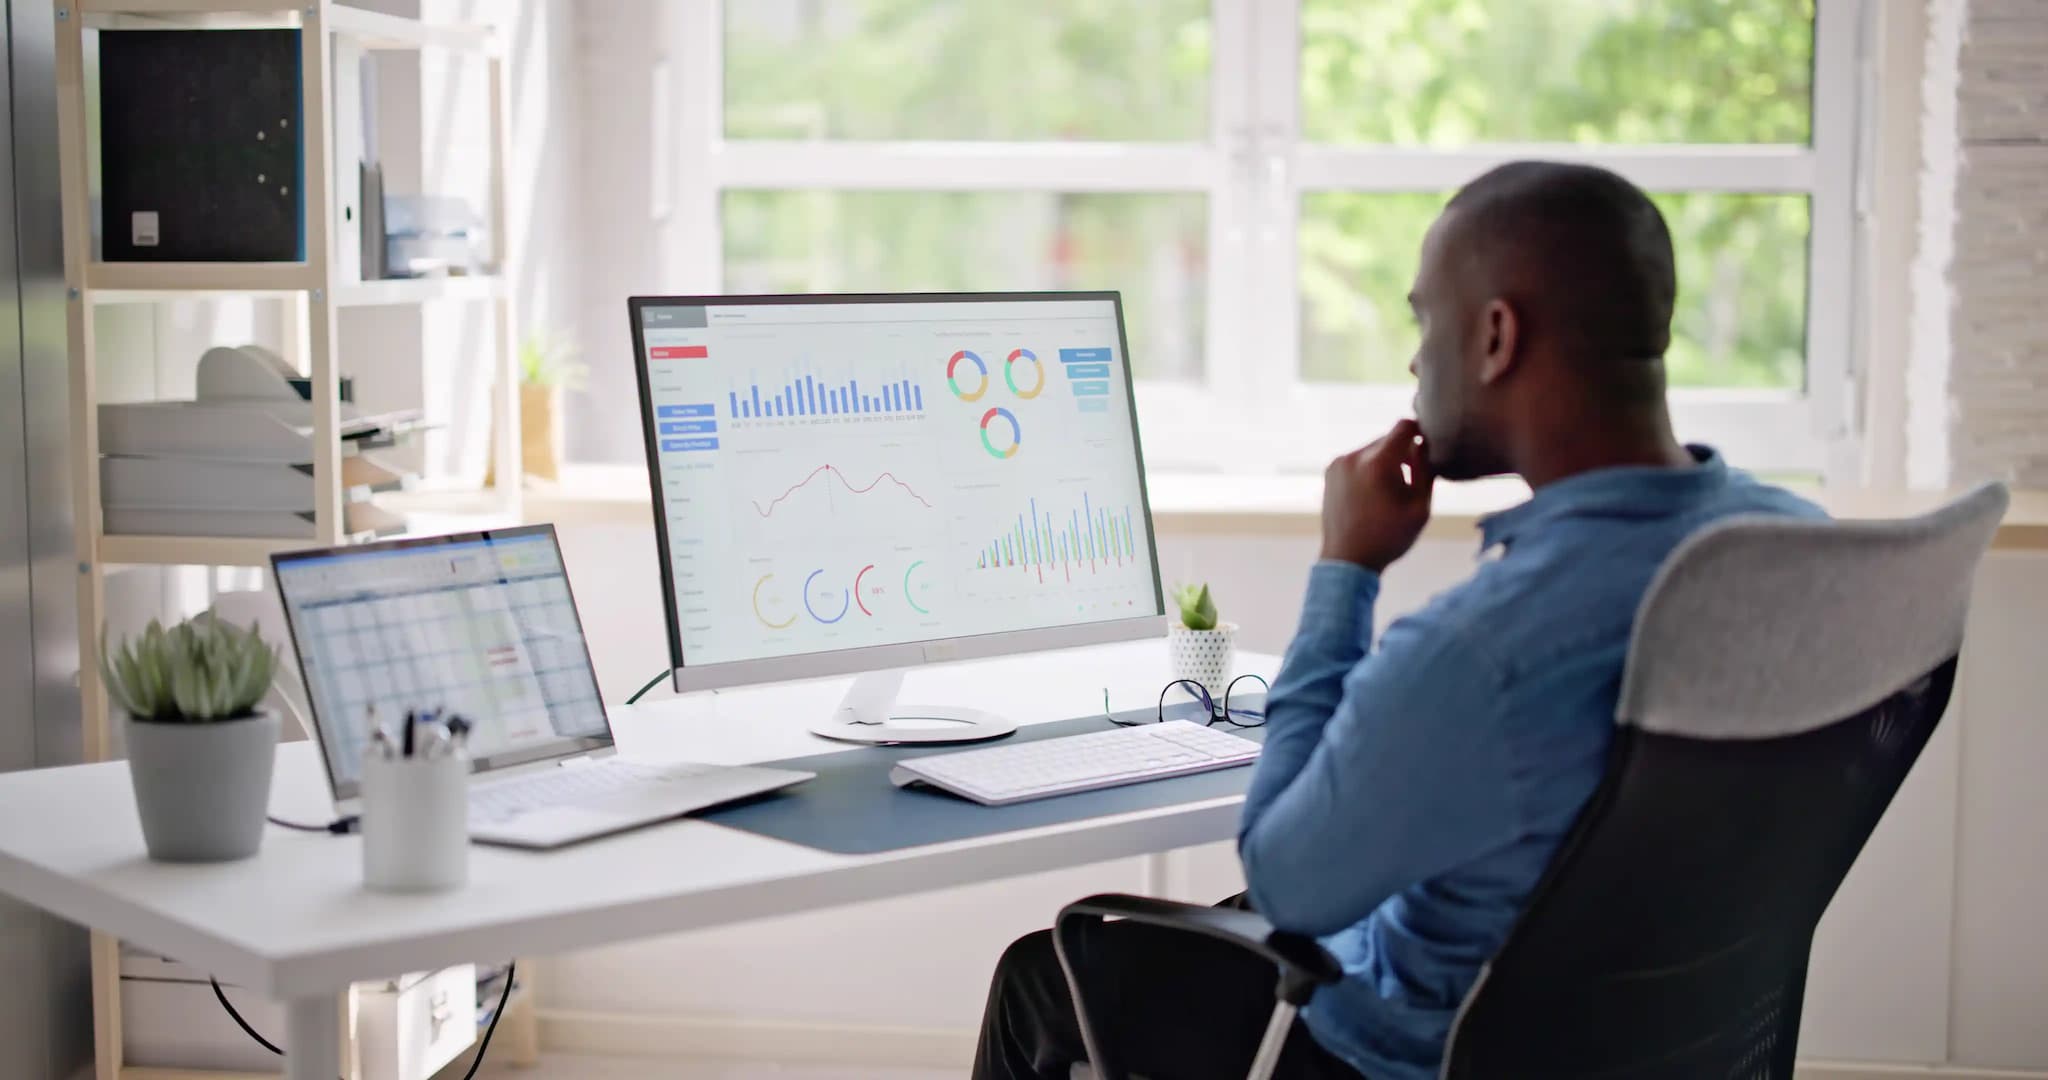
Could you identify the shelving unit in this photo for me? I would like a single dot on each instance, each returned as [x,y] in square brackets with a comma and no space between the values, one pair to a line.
[311,293]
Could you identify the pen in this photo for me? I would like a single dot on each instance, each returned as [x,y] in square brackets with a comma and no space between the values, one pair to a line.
[411,721]
[439,745]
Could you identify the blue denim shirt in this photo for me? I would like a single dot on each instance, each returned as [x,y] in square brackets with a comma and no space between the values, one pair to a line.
[1410,795]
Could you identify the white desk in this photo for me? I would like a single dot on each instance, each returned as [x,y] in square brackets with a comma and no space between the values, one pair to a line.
[295,923]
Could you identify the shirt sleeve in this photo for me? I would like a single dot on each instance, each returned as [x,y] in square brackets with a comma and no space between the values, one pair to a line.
[1380,770]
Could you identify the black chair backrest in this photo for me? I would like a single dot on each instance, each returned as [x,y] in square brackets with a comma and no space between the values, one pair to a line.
[1782,680]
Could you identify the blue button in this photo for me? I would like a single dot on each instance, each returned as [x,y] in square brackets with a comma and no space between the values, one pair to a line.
[689,427]
[1084,356]
[1090,389]
[1088,371]
[684,446]
[671,411]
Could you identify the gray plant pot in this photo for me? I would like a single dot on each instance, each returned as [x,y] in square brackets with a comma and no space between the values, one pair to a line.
[202,790]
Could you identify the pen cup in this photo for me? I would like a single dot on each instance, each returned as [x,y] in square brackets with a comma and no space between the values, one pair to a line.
[415,822]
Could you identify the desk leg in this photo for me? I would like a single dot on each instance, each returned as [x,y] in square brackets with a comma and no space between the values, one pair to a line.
[313,1024]
[1153,877]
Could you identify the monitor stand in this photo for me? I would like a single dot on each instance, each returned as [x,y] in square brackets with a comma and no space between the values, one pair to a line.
[869,714]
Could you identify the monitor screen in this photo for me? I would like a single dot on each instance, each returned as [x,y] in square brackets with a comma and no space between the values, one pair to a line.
[478,624]
[847,472]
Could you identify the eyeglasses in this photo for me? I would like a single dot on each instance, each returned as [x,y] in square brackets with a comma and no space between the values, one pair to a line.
[1238,717]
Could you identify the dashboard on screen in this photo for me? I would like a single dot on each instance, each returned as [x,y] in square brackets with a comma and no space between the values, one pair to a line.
[837,473]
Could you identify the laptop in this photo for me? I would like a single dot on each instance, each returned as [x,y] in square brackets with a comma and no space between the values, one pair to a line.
[481,625]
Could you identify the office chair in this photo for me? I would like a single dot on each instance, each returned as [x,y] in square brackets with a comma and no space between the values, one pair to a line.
[1782,678]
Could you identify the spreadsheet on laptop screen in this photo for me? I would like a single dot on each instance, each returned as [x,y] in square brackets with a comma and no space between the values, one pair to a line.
[483,628]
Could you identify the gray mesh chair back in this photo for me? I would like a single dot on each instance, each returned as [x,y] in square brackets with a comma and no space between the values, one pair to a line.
[1782,679]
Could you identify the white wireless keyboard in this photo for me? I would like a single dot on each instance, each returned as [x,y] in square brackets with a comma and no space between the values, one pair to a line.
[1019,772]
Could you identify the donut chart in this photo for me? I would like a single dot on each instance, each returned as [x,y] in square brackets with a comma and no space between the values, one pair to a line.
[1010,374]
[953,376]
[763,616]
[845,601]
[856,590]
[1016,436]
[910,594]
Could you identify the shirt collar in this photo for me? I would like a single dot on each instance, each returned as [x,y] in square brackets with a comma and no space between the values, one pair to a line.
[1625,491]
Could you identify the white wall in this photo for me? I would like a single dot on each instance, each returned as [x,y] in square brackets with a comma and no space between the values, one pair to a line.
[618,53]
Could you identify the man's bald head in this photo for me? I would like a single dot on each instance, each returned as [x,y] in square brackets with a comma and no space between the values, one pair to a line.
[1545,297]
[1583,253]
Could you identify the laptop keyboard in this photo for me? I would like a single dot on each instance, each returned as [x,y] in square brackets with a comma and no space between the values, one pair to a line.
[598,785]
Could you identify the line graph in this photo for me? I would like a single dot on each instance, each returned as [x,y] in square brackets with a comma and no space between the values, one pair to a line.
[833,470]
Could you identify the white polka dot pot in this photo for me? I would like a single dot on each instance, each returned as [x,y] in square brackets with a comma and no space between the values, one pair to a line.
[1208,657]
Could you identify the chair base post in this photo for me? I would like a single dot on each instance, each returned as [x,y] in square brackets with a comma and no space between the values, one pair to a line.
[1267,1060]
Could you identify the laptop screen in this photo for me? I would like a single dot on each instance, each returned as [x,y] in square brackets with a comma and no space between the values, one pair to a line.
[477,624]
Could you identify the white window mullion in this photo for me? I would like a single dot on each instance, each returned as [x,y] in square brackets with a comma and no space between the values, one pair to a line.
[1394,169]
[1271,360]
[1832,303]
[691,241]
[1200,424]
[964,166]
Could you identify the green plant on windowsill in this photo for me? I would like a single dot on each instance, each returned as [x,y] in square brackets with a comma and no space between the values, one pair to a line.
[553,362]
[200,747]
[549,366]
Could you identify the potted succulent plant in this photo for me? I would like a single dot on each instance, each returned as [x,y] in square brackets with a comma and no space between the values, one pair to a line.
[1201,647]
[200,751]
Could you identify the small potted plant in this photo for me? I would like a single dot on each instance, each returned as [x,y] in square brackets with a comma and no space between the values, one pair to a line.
[1201,648]
[548,366]
[200,751]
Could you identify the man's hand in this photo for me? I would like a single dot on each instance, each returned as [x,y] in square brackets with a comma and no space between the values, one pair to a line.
[1372,509]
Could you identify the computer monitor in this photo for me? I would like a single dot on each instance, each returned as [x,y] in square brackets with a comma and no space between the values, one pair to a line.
[862,483]
[481,624]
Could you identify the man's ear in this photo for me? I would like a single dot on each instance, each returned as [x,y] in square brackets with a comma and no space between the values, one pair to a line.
[1499,338]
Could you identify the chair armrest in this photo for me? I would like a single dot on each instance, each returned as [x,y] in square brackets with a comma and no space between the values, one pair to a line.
[1304,964]
[1296,955]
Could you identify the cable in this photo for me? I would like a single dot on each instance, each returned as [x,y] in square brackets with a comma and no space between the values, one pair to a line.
[651,684]
[337,827]
[222,997]
[504,996]
[482,1047]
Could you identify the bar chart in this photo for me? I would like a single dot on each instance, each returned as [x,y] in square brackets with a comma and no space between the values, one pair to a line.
[811,397]
[1088,539]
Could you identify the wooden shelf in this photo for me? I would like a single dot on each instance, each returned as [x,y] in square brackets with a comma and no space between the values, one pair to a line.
[195,550]
[107,282]
[188,7]
[309,343]
[145,1072]
[426,512]
[417,290]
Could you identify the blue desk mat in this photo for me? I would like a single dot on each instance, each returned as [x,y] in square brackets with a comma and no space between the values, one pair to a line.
[851,807]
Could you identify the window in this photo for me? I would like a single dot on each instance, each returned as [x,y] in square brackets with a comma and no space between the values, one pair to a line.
[1256,177]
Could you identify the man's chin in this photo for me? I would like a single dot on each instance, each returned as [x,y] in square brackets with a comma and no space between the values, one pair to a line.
[1455,468]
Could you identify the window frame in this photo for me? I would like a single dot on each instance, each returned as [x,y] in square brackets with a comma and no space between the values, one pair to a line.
[1254,170]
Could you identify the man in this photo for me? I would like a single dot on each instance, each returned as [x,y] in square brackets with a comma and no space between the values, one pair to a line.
[1413,790]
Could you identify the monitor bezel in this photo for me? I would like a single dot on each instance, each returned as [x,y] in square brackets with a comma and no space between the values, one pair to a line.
[563,747]
[852,661]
